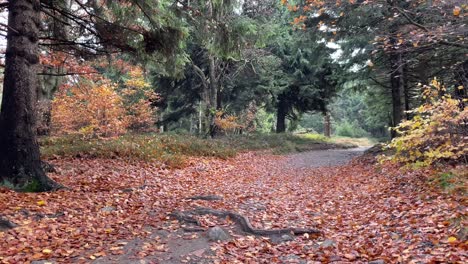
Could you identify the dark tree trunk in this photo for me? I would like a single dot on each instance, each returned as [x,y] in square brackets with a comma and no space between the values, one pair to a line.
[406,93]
[282,111]
[462,81]
[397,86]
[213,95]
[326,124]
[20,164]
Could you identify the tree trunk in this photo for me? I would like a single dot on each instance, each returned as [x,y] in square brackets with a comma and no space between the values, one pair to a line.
[281,116]
[462,81]
[20,164]
[326,124]
[213,94]
[200,118]
[397,87]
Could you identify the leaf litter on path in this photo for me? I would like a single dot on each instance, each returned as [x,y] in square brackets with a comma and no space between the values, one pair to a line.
[365,213]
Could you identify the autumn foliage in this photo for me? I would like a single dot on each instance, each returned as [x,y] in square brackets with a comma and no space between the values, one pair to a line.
[437,132]
[98,107]
[227,123]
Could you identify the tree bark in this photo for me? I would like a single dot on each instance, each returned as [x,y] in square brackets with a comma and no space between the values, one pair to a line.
[281,116]
[213,94]
[397,87]
[20,164]
[327,124]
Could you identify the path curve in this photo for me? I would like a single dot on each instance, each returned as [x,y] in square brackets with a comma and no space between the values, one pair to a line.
[324,158]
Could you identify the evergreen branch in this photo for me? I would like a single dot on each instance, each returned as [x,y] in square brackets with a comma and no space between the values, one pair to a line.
[200,74]
[66,74]
[403,12]
[103,19]
[8,27]
[379,83]
[452,44]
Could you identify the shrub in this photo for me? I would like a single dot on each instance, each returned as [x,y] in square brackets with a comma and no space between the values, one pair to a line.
[227,123]
[89,108]
[437,132]
[97,107]
[347,129]
[138,95]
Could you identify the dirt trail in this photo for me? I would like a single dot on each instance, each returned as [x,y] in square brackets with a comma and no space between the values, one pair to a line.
[188,247]
[364,214]
[321,158]
[185,247]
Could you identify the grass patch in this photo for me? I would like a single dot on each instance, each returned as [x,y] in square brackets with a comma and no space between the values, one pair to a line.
[454,181]
[169,149]
[173,149]
[363,142]
[278,143]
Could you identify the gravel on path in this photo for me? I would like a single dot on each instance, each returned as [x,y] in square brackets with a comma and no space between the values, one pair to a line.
[324,158]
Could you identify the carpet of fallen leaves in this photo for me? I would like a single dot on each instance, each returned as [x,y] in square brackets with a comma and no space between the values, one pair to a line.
[366,213]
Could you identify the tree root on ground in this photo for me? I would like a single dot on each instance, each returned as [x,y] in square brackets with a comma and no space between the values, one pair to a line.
[242,221]
[206,197]
[48,167]
[5,224]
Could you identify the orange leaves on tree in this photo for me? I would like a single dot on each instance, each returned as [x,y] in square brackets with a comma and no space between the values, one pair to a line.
[97,107]
[65,62]
[299,21]
[226,123]
[138,95]
[89,108]
[293,8]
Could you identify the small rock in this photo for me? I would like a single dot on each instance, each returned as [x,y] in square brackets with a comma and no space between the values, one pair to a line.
[108,209]
[199,253]
[378,261]
[287,238]
[291,258]
[327,243]
[217,233]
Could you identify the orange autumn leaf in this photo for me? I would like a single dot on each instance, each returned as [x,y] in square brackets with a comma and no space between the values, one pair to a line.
[456,11]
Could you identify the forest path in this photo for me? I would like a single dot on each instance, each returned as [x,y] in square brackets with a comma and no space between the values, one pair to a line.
[321,158]
[118,211]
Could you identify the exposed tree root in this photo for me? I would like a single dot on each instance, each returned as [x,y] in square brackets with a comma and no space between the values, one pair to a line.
[5,224]
[242,221]
[48,167]
[206,197]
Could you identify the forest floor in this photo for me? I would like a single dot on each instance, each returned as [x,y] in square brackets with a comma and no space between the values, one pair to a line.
[134,212]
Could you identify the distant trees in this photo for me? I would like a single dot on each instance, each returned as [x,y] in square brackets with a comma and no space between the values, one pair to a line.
[261,61]
[396,44]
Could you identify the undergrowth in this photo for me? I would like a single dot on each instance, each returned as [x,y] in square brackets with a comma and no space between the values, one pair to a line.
[173,149]
[452,181]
